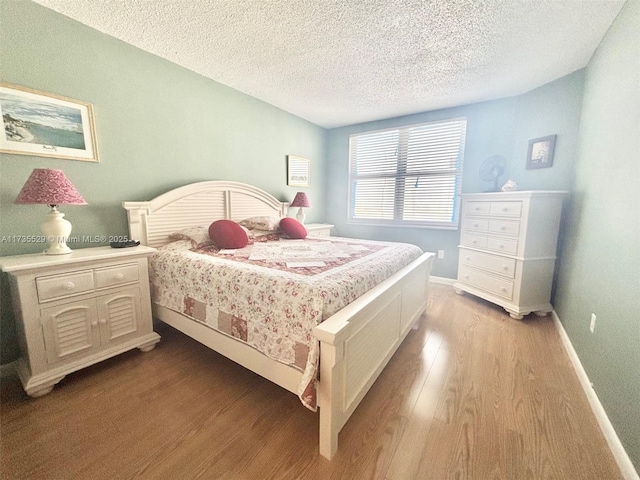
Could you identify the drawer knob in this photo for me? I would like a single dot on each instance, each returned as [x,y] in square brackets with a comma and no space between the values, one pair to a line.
[505,209]
[119,276]
[503,228]
[466,276]
[474,242]
[103,321]
[501,246]
[503,289]
[94,323]
[69,286]
[477,208]
[468,258]
[505,267]
[475,225]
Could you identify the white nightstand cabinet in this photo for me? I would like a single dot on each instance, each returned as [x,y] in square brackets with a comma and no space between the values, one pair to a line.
[75,310]
[507,248]
[319,229]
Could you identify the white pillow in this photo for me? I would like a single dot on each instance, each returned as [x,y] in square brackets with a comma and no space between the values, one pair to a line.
[262,223]
[198,235]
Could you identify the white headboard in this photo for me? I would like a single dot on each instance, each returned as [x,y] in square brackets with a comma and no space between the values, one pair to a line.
[197,204]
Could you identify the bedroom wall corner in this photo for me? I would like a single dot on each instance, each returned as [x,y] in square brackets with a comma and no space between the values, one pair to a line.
[599,269]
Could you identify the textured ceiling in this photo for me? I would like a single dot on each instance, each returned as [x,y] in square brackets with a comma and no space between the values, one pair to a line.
[340,62]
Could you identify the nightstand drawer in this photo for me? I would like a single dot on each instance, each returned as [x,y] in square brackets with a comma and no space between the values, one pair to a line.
[488,283]
[507,209]
[118,275]
[60,286]
[492,263]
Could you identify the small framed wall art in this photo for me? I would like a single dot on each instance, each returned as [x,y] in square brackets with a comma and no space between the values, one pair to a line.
[298,171]
[46,125]
[540,153]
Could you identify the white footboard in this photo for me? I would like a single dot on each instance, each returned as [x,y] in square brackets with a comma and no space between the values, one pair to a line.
[357,342]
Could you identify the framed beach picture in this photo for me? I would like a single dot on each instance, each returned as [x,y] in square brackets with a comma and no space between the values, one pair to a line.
[540,154]
[298,171]
[47,125]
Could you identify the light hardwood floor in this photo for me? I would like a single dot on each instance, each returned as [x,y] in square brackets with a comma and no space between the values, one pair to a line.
[472,394]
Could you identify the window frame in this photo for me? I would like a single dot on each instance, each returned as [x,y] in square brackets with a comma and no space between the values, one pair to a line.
[399,177]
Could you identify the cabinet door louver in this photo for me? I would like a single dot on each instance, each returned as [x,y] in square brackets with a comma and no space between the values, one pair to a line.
[122,312]
[68,330]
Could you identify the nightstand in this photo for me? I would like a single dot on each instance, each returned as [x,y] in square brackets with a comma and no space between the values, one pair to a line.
[319,229]
[78,309]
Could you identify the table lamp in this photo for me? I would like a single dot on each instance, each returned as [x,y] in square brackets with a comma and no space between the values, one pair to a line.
[301,200]
[46,186]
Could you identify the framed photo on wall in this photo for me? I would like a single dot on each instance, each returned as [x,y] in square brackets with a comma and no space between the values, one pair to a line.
[46,125]
[298,171]
[540,154]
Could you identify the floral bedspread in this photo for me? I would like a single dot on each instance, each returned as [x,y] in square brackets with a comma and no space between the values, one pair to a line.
[272,293]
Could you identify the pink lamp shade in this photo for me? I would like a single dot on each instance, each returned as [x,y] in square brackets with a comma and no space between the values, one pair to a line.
[51,187]
[301,200]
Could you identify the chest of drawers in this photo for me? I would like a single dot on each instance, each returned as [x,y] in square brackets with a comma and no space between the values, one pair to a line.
[78,309]
[507,248]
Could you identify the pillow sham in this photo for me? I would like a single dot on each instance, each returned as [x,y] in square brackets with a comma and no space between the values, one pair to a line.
[199,236]
[261,223]
[293,228]
[228,234]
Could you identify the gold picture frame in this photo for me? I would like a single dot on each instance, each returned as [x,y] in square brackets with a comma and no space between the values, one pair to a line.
[46,125]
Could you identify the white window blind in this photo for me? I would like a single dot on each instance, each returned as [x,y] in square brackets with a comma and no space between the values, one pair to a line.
[407,176]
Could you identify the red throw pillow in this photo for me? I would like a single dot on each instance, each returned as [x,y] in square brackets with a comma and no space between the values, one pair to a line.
[228,234]
[293,228]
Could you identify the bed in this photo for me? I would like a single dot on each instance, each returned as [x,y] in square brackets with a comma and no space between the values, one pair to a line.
[352,346]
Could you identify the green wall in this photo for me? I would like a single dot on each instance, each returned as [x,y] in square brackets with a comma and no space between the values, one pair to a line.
[158,126]
[500,127]
[600,262]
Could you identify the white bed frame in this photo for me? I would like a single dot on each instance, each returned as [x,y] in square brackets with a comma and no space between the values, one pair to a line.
[356,343]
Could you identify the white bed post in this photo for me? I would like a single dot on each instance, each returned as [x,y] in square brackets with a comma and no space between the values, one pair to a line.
[137,216]
[330,397]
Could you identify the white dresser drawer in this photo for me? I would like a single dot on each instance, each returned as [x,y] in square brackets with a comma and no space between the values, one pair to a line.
[506,209]
[503,245]
[486,282]
[477,208]
[504,226]
[60,286]
[492,263]
[471,240]
[477,225]
[118,275]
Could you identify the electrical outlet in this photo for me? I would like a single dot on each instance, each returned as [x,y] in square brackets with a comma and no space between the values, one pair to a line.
[592,325]
[440,253]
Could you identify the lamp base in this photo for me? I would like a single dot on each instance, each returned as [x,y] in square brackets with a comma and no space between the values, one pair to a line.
[57,230]
[301,216]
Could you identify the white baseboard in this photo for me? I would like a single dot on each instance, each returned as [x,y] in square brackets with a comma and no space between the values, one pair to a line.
[443,280]
[7,369]
[619,453]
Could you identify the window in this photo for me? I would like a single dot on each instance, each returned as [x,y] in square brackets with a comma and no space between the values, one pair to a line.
[407,176]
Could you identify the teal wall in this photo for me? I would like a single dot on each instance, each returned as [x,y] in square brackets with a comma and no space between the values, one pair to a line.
[158,126]
[500,127]
[600,262]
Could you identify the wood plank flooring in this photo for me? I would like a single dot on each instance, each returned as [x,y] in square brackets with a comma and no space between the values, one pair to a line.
[472,394]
